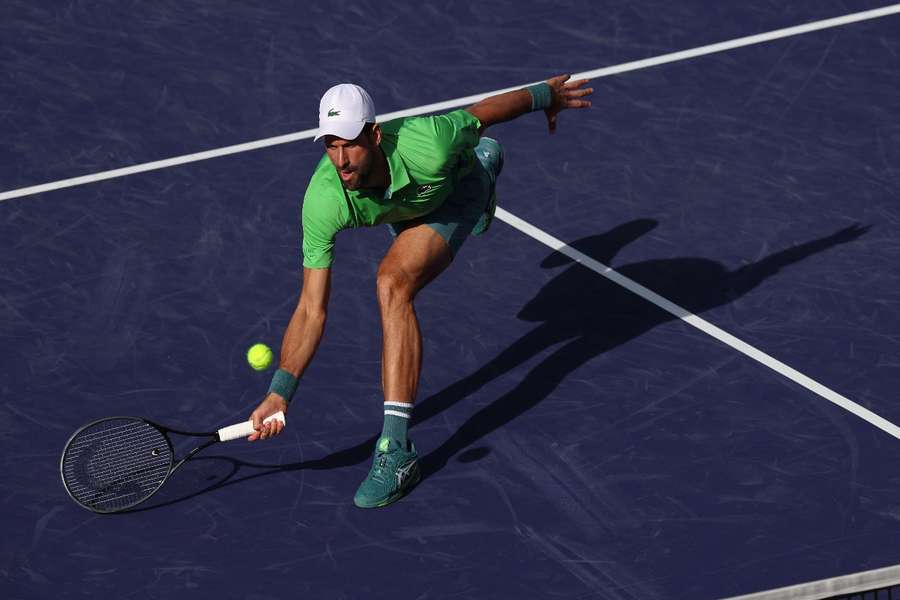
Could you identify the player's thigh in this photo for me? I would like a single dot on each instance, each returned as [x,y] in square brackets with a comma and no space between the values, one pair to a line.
[418,255]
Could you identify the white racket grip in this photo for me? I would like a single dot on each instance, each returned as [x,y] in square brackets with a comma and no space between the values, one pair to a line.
[239,430]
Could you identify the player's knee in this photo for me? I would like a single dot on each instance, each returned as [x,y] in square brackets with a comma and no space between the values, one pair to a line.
[393,287]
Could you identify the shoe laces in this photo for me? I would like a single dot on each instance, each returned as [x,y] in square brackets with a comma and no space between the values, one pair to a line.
[380,467]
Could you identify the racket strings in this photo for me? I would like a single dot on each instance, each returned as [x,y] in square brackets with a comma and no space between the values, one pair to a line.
[116,463]
[102,468]
[106,432]
[109,477]
[106,468]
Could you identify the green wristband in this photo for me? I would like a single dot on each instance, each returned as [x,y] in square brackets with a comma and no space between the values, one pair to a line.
[541,96]
[284,384]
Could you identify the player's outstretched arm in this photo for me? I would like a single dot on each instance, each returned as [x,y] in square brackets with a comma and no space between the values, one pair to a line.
[301,338]
[563,94]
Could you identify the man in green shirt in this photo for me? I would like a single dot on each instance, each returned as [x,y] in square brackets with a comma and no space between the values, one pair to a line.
[431,180]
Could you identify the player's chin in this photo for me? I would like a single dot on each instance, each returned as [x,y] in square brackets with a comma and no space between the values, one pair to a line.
[351,181]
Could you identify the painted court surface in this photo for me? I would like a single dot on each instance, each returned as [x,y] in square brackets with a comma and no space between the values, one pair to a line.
[577,440]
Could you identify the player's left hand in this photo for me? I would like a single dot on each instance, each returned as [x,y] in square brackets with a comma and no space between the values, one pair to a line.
[566,94]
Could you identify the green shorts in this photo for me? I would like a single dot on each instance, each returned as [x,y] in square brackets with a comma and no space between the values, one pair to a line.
[470,208]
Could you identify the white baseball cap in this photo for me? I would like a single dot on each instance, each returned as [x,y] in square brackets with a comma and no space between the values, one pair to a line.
[344,110]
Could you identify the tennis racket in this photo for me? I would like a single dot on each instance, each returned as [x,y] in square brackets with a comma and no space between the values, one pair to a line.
[114,464]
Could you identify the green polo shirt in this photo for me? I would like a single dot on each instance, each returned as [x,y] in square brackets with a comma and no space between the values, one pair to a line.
[426,157]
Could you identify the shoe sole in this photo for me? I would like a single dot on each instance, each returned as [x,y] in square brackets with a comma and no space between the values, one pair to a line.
[394,498]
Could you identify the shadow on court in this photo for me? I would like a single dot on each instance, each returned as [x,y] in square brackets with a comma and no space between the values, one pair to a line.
[599,317]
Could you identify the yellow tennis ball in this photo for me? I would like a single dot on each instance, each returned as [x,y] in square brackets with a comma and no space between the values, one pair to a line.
[259,356]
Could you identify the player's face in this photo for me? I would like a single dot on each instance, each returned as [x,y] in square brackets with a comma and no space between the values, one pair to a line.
[353,158]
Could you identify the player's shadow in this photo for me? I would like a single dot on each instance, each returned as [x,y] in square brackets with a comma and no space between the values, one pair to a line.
[582,312]
[588,315]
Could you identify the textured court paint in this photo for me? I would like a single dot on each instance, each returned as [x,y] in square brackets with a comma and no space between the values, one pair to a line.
[704,326]
[525,227]
[456,102]
[611,451]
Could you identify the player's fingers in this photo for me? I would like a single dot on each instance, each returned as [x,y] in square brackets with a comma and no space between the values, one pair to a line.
[578,104]
[571,85]
[253,436]
[579,93]
[558,80]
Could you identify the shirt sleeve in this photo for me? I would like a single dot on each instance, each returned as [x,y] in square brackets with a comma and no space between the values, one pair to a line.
[440,144]
[318,241]
[321,221]
[456,131]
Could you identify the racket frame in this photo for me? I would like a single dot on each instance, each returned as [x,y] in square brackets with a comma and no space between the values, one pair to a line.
[173,464]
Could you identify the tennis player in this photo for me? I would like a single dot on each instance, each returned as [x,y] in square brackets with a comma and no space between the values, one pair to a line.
[431,180]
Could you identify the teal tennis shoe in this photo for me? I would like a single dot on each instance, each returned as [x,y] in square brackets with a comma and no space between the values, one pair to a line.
[395,471]
[489,153]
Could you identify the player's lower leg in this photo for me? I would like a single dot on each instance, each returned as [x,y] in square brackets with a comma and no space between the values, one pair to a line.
[395,467]
[401,352]
[417,256]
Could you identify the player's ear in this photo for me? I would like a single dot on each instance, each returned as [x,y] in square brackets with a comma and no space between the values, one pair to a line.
[376,133]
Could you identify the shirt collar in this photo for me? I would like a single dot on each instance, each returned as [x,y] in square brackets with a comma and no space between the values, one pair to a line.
[399,175]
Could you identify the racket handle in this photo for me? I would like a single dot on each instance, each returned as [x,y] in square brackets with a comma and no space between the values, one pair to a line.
[239,430]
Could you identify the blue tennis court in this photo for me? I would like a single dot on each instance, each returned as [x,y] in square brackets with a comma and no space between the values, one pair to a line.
[577,440]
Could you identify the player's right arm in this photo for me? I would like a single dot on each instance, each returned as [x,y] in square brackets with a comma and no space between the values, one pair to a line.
[301,339]
[324,214]
[304,332]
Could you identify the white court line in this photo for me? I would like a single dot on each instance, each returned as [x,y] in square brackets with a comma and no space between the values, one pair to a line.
[843,586]
[439,106]
[695,321]
[542,236]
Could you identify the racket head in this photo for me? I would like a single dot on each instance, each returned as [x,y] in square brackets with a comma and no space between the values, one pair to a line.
[115,463]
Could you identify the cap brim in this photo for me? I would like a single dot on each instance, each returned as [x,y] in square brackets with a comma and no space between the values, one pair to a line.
[346,130]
